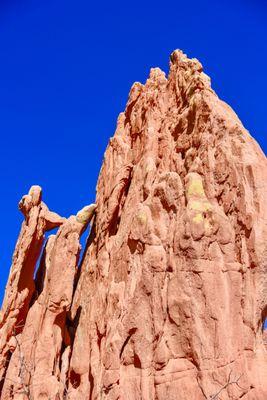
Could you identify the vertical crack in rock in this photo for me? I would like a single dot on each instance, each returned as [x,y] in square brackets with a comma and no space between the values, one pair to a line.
[171,293]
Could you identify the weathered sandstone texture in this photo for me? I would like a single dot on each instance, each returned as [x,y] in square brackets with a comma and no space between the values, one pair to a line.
[169,298]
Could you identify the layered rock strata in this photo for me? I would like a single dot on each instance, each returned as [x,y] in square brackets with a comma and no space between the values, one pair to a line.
[171,294]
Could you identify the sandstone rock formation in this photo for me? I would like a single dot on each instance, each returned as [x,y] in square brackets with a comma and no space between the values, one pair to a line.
[170,295]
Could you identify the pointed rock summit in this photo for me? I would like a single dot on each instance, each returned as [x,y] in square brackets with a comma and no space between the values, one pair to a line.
[169,299]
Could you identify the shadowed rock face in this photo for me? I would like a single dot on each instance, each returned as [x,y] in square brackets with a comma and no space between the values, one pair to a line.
[171,294]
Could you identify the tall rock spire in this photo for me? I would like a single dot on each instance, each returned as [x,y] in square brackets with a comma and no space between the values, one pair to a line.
[171,294]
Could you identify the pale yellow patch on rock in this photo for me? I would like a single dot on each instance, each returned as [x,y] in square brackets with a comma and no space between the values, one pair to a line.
[199,205]
[85,214]
[142,218]
[195,188]
[198,218]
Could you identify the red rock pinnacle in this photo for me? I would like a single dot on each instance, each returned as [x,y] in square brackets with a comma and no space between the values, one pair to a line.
[171,294]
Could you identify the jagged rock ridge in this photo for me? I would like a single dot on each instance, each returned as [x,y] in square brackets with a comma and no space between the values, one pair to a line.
[170,297]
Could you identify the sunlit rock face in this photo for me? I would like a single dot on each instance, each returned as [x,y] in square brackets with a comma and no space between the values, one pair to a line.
[171,294]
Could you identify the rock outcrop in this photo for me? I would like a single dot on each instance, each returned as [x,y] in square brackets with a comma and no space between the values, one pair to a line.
[170,296]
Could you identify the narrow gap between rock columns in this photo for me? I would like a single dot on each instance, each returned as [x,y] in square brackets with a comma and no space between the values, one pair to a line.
[85,241]
[84,244]
[264,325]
[264,322]
[264,331]
[38,262]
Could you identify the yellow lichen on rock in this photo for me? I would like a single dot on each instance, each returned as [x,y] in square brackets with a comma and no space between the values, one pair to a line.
[142,218]
[195,188]
[85,214]
[198,218]
[199,205]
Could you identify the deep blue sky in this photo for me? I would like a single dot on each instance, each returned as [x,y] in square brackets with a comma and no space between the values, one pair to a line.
[66,68]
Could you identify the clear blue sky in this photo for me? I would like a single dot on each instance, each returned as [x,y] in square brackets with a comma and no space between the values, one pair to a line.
[66,68]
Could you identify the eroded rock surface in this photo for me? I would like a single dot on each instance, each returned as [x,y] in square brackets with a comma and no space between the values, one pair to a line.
[171,294]
[35,336]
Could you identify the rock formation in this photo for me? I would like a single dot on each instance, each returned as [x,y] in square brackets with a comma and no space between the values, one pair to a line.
[170,296]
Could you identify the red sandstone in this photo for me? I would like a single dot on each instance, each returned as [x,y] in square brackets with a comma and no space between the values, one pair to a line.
[171,294]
